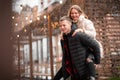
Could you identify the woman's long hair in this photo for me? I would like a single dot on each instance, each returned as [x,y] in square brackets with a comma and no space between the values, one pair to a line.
[78,8]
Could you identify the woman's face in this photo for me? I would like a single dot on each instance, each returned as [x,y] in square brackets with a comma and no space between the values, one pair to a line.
[74,15]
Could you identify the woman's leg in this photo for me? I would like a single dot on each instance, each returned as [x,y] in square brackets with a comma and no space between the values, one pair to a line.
[91,67]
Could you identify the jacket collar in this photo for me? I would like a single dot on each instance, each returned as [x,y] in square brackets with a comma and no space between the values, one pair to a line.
[69,34]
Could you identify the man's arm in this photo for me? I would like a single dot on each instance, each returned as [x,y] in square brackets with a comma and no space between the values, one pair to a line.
[89,42]
[59,75]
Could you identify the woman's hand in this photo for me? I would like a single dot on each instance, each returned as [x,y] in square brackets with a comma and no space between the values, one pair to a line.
[77,30]
[97,66]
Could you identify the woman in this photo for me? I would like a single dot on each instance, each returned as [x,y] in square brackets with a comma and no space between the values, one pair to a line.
[86,26]
[83,24]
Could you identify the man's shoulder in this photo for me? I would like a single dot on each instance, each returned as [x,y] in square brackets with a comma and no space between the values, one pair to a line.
[82,35]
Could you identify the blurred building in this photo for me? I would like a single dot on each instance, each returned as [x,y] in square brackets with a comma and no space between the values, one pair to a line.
[36,33]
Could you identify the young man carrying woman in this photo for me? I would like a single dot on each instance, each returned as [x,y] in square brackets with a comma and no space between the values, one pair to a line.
[75,51]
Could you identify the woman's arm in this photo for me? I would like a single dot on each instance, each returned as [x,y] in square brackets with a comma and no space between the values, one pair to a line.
[88,28]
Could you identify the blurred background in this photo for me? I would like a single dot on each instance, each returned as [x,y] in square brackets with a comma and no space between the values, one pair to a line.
[30,37]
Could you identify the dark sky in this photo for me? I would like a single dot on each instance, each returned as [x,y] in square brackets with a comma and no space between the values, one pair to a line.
[6,50]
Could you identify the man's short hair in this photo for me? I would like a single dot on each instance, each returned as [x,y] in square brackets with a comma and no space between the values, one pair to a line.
[65,18]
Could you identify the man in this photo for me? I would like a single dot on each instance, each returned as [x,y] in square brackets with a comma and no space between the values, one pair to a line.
[75,50]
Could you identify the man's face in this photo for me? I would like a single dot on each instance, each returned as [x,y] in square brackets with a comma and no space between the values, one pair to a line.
[65,26]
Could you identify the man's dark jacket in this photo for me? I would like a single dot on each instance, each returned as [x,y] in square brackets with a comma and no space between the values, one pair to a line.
[79,47]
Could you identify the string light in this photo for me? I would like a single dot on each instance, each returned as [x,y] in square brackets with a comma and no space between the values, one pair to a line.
[45,16]
[21,6]
[25,30]
[16,24]
[38,18]
[61,2]
[18,36]
[13,17]
[31,21]
[26,18]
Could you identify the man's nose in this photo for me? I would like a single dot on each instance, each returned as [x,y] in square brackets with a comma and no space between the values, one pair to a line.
[62,26]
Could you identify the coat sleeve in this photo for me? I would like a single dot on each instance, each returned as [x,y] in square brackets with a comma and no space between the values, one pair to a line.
[58,75]
[91,44]
[89,28]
